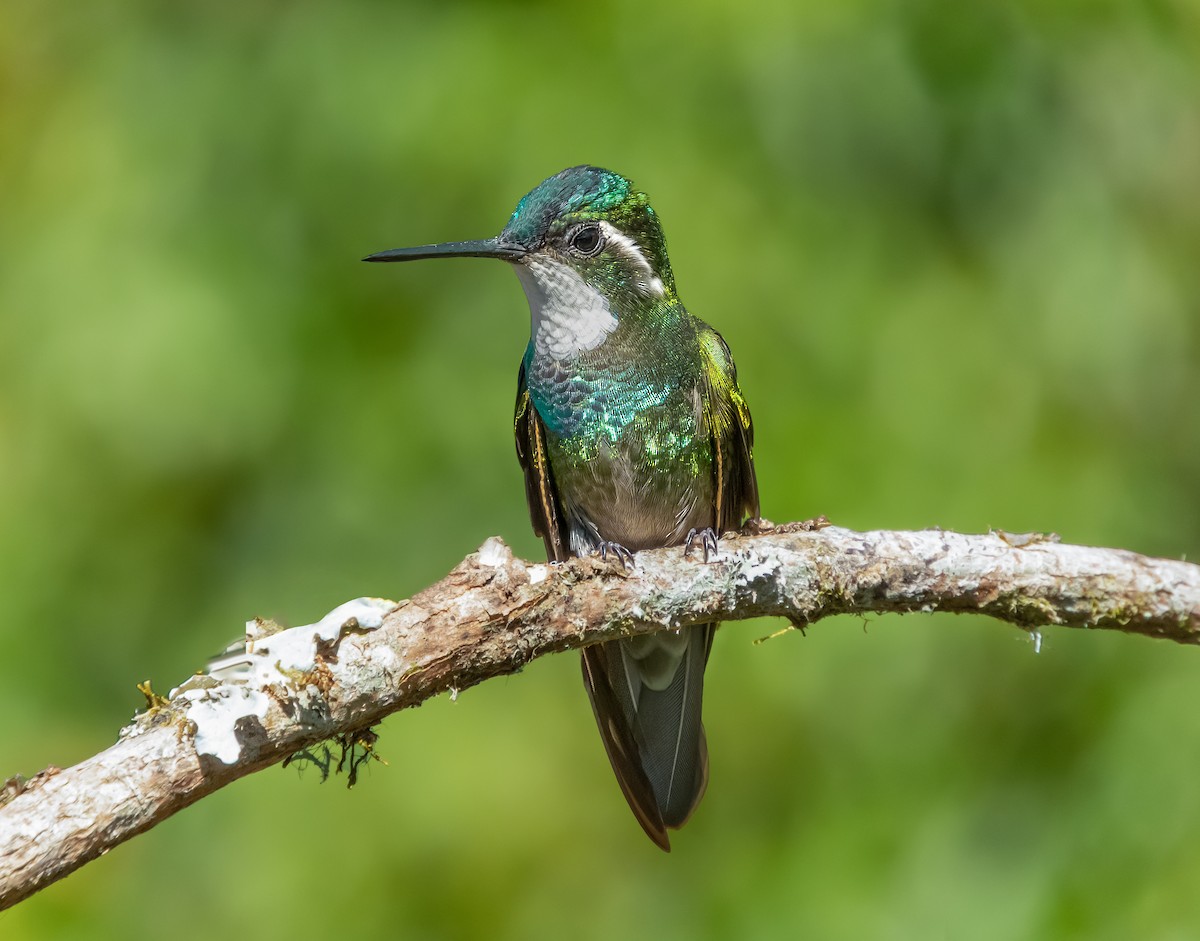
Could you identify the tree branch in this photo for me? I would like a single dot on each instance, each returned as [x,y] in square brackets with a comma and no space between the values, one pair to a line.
[289,690]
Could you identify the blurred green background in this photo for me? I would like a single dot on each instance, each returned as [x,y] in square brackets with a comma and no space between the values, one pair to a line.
[953,247]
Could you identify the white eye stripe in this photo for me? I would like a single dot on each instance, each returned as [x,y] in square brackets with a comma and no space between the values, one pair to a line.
[649,282]
[626,246]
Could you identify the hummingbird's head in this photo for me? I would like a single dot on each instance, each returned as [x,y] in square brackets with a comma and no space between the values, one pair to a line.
[588,250]
[595,222]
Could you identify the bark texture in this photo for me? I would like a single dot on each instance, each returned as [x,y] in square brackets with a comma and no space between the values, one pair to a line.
[287,690]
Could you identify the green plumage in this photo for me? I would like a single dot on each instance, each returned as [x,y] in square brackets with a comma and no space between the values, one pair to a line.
[634,431]
[633,434]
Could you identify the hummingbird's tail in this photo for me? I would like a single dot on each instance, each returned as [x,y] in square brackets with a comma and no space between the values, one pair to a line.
[646,693]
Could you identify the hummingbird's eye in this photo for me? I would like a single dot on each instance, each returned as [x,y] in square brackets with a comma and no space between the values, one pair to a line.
[586,240]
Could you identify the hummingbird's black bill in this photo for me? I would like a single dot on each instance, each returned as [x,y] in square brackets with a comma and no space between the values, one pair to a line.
[480,248]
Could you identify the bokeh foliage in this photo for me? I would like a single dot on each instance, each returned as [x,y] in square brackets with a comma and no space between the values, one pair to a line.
[954,249]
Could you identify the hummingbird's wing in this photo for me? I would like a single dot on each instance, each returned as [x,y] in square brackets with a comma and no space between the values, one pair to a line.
[732,434]
[544,509]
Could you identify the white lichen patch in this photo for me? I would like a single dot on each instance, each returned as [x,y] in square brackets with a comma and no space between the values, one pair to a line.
[296,648]
[216,714]
[758,566]
[494,553]
[381,656]
[232,689]
[538,573]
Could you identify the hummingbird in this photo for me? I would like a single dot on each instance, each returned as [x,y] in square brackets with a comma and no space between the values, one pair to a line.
[633,434]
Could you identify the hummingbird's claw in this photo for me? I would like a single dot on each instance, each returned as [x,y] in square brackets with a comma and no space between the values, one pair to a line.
[623,555]
[707,538]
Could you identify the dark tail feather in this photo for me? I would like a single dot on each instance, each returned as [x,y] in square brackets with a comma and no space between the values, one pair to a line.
[654,737]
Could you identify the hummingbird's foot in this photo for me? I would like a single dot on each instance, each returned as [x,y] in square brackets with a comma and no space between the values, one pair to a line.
[623,555]
[706,537]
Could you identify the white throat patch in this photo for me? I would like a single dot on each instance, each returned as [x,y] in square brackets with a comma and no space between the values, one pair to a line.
[569,317]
